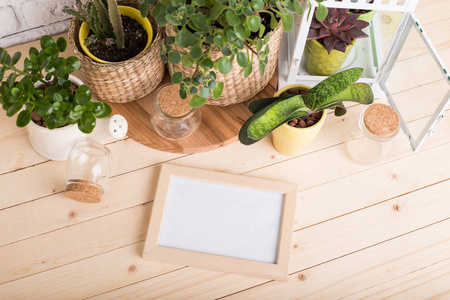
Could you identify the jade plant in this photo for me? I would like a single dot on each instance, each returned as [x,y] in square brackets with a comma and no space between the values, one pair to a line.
[337,30]
[104,20]
[270,113]
[240,29]
[43,86]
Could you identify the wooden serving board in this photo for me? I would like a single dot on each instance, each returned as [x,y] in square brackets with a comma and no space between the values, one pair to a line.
[219,127]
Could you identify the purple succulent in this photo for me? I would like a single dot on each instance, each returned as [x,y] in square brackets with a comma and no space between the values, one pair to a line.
[337,30]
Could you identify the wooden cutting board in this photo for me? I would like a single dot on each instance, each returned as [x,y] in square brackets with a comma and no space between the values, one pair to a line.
[220,124]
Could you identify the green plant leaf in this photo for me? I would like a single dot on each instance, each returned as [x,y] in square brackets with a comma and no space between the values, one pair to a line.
[287,21]
[298,7]
[186,60]
[174,57]
[241,32]
[43,107]
[218,40]
[226,51]
[253,23]
[87,122]
[232,18]
[205,92]
[184,38]
[321,12]
[257,4]
[217,10]
[196,52]
[217,91]
[101,110]
[23,118]
[258,104]
[51,122]
[248,70]
[47,42]
[324,92]
[16,92]
[224,65]
[358,92]
[11,79]
[82,95]
[206,64]
[72,64]
[143,8]
[57,97]
[61,43]
[270,117]
[56,105]
[177,77]
[197,101]
[15,58]
[170,40]
[242,59]
[14,108]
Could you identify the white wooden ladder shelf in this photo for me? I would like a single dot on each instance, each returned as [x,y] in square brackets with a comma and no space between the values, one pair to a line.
[368,54]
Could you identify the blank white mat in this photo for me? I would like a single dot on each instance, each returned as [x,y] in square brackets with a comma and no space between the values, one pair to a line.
[222,220]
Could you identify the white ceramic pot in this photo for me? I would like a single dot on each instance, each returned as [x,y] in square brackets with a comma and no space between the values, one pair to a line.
[55,144]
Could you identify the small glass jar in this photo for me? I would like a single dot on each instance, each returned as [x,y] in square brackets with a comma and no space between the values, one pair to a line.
[367,142]
[171,116]
[88,169]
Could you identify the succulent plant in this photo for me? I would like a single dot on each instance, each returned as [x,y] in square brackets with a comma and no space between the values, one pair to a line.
[270,113]
[59,104]
[104,20]
[235,27]
[337,30]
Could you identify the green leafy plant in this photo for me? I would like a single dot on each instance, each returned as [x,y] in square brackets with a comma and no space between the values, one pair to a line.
[236,27]
[269,113]
[58,104]
[337,30]
[104,20]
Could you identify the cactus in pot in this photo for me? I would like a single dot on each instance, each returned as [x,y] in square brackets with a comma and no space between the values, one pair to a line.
[270,113]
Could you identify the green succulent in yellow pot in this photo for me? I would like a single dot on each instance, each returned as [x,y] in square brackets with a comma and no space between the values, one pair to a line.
[330,41]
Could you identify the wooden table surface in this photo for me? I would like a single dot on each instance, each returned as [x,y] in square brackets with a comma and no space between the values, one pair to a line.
[378,231]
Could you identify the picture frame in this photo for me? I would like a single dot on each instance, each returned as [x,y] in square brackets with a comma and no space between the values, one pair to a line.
[224,222]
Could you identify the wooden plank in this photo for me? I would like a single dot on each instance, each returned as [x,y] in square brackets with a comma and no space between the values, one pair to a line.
[32,212]
[362,270]
[47,179]
[425,283]
[115,269]
[73,243]
[311,246]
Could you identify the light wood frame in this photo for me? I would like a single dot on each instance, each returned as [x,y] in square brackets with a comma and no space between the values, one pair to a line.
[277,270]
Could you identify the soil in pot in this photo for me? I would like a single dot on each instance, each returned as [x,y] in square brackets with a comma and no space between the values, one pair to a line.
[307,120]
[135,41]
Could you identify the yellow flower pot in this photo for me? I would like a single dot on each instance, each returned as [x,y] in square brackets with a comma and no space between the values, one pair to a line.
[290,140]
[126,11]
[368,16]
[319,62]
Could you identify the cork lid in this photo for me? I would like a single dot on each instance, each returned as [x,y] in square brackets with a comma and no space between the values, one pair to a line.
[381,119]
[83,191]
[170,102]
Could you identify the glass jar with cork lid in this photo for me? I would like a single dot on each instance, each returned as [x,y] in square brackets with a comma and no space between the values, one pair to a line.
[377,124]
[172,117]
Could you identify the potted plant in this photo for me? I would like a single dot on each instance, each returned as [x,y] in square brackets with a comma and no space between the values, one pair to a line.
[223,52]
[276,114]
[58,104]
[330,41]
[118,47]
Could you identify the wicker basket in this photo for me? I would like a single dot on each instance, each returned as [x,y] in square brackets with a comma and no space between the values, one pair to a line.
[237,88]
[124,81]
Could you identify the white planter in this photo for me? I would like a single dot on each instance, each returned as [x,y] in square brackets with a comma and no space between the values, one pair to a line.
[55,144]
